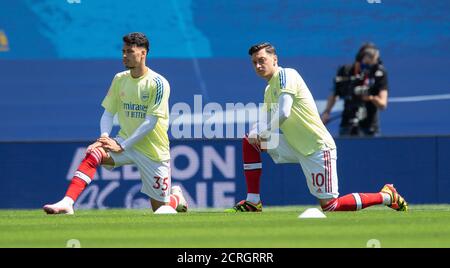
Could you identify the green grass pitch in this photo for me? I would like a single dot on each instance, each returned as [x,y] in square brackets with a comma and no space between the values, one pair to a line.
[422,226]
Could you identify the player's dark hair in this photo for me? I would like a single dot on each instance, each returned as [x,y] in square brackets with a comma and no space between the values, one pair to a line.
[267,46]
[138,39]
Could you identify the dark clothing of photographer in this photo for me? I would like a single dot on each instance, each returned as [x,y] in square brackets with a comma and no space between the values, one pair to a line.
[363,87]
[352,82]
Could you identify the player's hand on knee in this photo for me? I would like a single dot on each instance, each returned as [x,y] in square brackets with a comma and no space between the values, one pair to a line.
[110,145]
[93,146]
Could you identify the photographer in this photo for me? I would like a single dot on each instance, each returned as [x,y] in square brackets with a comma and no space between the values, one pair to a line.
[363,86]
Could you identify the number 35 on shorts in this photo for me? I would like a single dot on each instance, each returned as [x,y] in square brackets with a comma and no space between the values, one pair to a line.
[161,183]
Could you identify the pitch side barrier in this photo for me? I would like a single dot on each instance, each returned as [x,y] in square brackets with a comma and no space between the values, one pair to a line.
[210,172]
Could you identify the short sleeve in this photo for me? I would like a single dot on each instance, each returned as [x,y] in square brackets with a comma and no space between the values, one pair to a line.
[381,79]
[110,101]
[159,98]
[289,82]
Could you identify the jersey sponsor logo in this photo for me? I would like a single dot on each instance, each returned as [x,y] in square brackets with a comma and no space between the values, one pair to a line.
[134,110]
[145,96]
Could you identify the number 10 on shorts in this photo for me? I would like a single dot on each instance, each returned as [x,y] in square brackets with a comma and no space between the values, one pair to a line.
[318,179]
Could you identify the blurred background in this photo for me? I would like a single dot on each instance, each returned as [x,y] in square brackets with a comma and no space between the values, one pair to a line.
[58,57]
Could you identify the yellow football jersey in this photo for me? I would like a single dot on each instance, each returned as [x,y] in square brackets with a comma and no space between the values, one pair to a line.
[303,129]
[135,98]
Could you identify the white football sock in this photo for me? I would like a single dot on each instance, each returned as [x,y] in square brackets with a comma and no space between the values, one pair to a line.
[386,199]
[254,198]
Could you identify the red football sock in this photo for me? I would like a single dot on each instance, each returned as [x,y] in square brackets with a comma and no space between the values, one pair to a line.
[84,174]
[174,201]
[355,201]
[252,166]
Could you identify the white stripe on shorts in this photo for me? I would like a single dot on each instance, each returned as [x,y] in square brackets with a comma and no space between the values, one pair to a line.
[82,176]
[252,166]
[358,201]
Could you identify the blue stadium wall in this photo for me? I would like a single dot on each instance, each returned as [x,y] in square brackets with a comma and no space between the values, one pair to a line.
[210,172]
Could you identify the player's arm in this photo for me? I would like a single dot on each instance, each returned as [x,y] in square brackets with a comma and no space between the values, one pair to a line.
[141,131]
[106,124]
[109,103]
[253,137]
[285,102]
